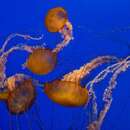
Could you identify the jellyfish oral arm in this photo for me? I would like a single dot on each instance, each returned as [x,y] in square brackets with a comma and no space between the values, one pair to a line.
[61,45]
[67,35]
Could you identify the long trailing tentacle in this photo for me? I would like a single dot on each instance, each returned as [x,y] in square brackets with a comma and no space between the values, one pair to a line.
[3,60]
[116,69]
[78,74]
[13,35]
[10,122]
[28,121]
[17,122]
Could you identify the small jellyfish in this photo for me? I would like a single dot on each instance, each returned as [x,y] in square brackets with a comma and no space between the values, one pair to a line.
[56,19]
[21,93]
[43,60]
[68,90]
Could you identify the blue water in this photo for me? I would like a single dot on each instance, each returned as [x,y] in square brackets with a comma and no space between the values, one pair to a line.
[100,28]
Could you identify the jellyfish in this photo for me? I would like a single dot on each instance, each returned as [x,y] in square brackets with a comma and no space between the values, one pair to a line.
[43,60]
[21,93]
[19,96]
[68,90]
[56,19]
[5,53]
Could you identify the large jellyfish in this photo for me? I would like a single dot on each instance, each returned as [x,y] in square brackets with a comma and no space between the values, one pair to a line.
[68,90]
[43,60]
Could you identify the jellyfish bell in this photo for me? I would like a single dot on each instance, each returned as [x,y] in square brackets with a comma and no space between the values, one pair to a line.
[56,19]
[41,61]
[66,93]
[21,93]
[68,90]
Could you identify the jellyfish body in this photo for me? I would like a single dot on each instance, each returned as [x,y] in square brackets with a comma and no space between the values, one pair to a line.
[41,61]
[66,93]
[21,94]
[56,19]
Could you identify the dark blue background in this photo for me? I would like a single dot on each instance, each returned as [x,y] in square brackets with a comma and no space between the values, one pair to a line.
[100,28]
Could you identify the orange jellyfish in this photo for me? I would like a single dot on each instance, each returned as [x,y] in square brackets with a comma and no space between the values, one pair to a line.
[68,90]
[56,19]
[42,60]
[21,93]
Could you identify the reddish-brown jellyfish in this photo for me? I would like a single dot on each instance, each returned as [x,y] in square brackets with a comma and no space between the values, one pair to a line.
[21,93]
[42,60]
[68,91]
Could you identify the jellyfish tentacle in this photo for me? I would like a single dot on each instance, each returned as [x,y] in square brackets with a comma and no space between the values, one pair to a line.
[67,35]
[110,69]
[10,121]
[28,121]
[96,125]
[3,60]
[17,122]
[38,115]
[78,74]
[37,120]
[107,95]
[112,83]
[13,35]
